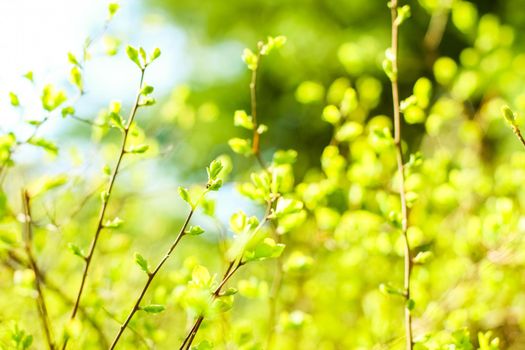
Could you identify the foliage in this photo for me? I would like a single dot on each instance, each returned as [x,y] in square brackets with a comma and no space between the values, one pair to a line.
[414,205]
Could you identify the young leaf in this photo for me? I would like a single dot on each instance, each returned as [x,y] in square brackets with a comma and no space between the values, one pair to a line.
[133,55]
[69,110]
[72,59]
[240,118]
[155,54]
[142,262]
[113,7]
[76,250]
[45,144]
[214,169]
[146,90]
[52,98]
[185,195]
[138,149]
[115,223]
[15,102]
[153,308]
[240,146]
[76,77]
[194,231]
[250,59]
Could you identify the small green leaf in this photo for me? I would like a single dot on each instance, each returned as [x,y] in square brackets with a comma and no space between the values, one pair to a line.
[133,55]
[117,121]
[509,115]
[76,250]
[403,13]
[44,144]
[155,54]
[115,223]
[104,196]
[388,289]
[29,76]
[106,170]
[52,98]
[214,170]
[422,257]
[250,59]
[72,59]
[69,110]
[153,308]
[185,195]
[142,262]
[240,146]
[138,149]
[113,7]
[147,101]
[214,185]
[194,231]
[146,90]
[142,53]
[240,118]
[410,304]
[15,102]
[75,77]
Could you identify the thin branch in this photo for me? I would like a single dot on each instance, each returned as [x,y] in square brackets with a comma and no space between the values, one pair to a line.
[105,201]
[151,276]
[28,238]
[401,171]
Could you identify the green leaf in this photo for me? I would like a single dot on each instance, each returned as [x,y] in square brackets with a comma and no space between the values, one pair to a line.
[194,231]
[113,7]
[47,183]
[155,54]
[285,157]
[422,257]
[147,101]
[133,55]
[47,145]
[388,289]
[214,170]
[331,114]
[388,66]
[508,115]
[75,77]
[104,196]
[142,262]
[240,118]
[138,149]
[410,304]
[153,308]
[265,249]
[14,99]
[146,90]
[241,146]
[72,59]
[76,250]
[286,206]
[142,53]
[185,195]
[250,59]
[115,223]
[69,110]
[29,76]
[117,121]
[214,185]
[52,98]
[403,13]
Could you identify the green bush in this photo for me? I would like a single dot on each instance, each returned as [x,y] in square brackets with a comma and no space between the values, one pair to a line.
[405,233]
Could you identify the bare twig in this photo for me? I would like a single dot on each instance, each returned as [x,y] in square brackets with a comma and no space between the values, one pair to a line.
[41,302]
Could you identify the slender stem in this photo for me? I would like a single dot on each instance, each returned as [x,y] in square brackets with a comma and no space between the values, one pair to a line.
[518,134]
[41,303]
[105,201]
[151,276]
[401,171]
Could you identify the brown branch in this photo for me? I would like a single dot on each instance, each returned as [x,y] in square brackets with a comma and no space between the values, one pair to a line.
[28,238]
[401,171]
[105,201]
